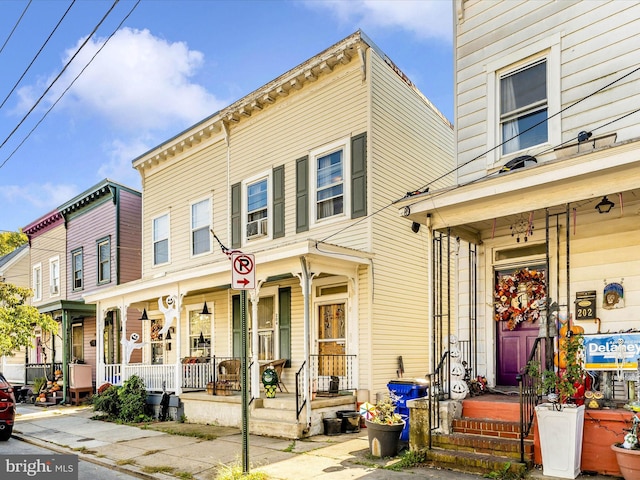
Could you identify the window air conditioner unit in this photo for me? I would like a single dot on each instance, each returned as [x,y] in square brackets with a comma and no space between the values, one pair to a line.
[257,228]
[54,289]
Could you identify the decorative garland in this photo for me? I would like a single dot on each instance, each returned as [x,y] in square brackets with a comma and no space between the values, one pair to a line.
[519,297]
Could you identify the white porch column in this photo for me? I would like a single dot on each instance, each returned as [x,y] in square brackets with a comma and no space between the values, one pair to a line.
[178,370]
[306,293]
[254,296]
[99,345]
[124,309]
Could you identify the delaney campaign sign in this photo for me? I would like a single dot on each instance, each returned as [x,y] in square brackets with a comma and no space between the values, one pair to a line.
[611,351]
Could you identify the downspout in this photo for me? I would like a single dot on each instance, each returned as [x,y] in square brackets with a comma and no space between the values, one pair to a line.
[306,292]
[430,315]
[116,201]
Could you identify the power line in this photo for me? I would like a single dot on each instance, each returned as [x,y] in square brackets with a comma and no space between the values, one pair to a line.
[72,82]
[57,78]
[15,26]
[37,55]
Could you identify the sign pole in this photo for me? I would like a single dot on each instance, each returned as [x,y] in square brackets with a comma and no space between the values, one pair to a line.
[244,384]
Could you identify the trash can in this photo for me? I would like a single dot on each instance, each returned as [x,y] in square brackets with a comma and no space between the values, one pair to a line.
[350,421]
[332,426]
[406,389]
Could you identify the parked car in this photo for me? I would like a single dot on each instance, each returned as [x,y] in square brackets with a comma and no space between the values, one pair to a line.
[7,409]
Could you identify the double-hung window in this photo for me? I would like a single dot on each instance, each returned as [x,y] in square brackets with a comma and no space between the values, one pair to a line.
[330,185]
[523,107]
[37,281]
[104,260]
[161,239]
[200,226]
[77,269]
[54,276]
[258,208]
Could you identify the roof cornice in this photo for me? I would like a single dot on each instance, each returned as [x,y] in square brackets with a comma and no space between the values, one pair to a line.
[342,53]
[45,222]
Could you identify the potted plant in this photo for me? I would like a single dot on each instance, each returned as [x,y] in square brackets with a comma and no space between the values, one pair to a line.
[561,420]
[384,427]
[628,452]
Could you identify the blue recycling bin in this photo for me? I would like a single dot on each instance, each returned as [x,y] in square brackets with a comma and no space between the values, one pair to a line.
[406,389]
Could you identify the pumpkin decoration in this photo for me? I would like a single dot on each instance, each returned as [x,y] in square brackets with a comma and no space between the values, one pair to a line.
[560,358]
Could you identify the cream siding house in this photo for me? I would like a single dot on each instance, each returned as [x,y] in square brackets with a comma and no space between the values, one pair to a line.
[547,130]
[300,174]
[14,269]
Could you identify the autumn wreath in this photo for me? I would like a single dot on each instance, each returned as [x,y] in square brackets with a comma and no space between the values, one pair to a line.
[519,297]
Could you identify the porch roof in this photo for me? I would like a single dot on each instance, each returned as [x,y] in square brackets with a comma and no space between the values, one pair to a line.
[468,209]
[270,262]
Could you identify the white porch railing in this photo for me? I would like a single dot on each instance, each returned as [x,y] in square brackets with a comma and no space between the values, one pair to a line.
[154,376]
[197,375]
[113,373]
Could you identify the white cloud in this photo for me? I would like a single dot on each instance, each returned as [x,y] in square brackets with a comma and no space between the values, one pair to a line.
[119,166]
[44,197]
[426,19]
[138,81]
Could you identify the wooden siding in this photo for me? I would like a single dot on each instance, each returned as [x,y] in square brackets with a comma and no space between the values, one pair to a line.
[130,237]
[83,231]
[411,145]
[43,247]
[89,351]
[598,44]
[18,273]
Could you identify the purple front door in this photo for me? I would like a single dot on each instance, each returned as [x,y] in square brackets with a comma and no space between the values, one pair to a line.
[524,290]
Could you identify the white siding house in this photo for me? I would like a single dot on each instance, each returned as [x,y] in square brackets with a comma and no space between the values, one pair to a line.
[299,174]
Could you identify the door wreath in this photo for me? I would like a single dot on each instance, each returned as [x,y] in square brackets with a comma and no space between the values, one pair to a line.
[519,297]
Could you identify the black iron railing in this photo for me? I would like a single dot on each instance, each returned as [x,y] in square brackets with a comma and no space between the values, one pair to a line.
[301,397]
[436,392]
[331,374]
[38,370]
[530,392]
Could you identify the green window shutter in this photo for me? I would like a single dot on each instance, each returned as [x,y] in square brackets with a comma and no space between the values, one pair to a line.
[284,315]
[278,202]
[302,194]
[236,226]
[359,176]
[236,327]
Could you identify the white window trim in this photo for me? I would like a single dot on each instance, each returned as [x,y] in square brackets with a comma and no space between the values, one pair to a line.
[102,241]
[53,260]
[344,145]
[514,59]
[153,264]
[75,252]
[37,289]
[269,292]
[209,227]
[245,210]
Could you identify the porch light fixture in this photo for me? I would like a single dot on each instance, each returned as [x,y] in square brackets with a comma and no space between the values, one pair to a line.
[144,315]
[205,310]
[605,205]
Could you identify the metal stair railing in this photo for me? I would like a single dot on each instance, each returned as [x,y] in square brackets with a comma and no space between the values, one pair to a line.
[530,393]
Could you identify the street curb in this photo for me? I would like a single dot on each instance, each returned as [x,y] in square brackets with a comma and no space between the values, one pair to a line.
[87,457]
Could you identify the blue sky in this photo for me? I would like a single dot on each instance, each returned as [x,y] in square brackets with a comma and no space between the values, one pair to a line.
[170,64]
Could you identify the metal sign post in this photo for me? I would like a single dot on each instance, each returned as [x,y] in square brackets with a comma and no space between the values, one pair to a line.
[243,278]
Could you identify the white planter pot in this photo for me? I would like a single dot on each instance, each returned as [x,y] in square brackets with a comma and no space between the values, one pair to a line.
[560,439]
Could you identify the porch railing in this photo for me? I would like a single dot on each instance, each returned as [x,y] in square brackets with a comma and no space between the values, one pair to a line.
[37,370]
[301,398]
[436,392]
[155,377]
[197,375]
[530,393]
[333,373]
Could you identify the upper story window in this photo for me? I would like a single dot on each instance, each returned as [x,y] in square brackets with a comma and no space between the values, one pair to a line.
[77,269]
[37,282]
[523,94]
[258,208]
[200,227]
[104,260]
[54,276]
[523,107]
[161,239]
[329,170]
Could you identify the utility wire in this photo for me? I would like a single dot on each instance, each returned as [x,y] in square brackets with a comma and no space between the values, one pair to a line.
[15,26]
[57,77]
[71,84]
[37,55]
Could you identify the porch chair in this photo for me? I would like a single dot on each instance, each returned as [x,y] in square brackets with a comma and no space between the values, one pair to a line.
[229,371]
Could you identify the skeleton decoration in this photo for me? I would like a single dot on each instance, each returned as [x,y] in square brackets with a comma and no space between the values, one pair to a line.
[170,312]
[459,388]
[131,344]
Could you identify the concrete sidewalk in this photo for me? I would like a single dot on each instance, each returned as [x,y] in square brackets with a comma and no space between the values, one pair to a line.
[152,454]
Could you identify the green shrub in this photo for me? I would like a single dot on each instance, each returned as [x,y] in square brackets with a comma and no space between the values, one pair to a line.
[133,400]
[108,402]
